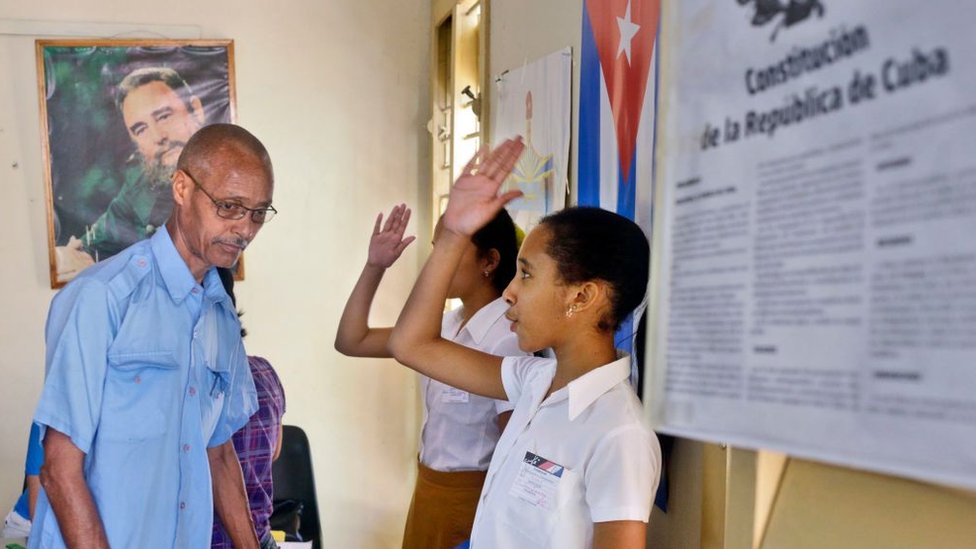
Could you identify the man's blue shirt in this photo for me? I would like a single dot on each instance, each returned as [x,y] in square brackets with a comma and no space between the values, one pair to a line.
[145,371]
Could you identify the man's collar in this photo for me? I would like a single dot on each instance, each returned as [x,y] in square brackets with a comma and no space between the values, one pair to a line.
[176,274]
[484,319]
[590,386]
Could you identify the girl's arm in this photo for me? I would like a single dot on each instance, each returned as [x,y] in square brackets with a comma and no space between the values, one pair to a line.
[354,337]
[416,340]
[620,534]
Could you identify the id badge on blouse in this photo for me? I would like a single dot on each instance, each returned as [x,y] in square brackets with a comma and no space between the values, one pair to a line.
[450,395]
[537,482]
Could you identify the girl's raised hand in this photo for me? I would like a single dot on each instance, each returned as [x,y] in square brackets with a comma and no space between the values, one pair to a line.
[474,198]
[387,243]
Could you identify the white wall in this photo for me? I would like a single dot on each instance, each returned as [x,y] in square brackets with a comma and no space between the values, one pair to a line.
[338,92]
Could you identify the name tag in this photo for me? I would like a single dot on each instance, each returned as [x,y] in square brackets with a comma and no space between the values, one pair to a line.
[450,395]
[537,482]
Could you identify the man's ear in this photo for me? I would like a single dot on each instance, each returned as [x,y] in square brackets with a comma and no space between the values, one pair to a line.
[196,110]
[182,186]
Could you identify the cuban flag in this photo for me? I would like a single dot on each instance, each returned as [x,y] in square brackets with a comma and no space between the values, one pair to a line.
[546,465]
[618,90]
[618,95]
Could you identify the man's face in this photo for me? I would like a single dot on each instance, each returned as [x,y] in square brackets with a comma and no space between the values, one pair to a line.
[160,124]
[207,238]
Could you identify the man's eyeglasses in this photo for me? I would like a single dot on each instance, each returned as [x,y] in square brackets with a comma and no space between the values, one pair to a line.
[233,210]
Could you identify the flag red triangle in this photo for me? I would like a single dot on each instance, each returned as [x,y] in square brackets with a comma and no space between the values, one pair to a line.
[626,81]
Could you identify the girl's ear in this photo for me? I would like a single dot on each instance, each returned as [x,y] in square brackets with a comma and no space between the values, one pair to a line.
[589,295]
[590,298]
[490,261]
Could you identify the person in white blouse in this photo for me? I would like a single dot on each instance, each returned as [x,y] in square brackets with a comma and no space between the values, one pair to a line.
[577,467]
[460,429]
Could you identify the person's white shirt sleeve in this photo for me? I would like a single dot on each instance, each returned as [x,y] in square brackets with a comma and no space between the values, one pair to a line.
[622,475]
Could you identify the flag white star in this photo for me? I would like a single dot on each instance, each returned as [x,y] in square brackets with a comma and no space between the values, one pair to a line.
[627,31]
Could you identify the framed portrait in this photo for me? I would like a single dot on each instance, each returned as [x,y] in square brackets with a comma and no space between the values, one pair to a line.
[115,115]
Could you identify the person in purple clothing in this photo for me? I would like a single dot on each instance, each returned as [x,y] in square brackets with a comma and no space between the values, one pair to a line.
[258,443]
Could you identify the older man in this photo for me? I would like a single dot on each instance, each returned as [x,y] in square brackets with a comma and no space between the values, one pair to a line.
[160,113]
[147,378]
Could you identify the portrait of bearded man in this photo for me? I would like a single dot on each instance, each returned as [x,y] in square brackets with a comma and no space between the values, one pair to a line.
[112,189]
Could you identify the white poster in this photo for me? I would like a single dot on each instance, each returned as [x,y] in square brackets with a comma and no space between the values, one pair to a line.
[534,101]
[818,218]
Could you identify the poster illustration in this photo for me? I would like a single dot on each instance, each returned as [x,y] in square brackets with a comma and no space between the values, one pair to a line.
[115,115]
[534,102]
[818,207]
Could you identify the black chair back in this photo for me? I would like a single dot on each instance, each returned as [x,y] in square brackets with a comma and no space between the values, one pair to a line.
[293,480]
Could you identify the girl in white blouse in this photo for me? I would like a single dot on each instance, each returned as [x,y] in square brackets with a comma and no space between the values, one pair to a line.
[460,429]
[576,467]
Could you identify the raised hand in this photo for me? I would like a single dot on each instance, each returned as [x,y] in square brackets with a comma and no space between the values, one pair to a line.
[387,243]
[474,198]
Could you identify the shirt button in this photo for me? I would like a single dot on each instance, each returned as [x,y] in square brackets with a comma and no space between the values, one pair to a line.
[193,391]
[137,379]
[182,505]
[186,447]
[195,290]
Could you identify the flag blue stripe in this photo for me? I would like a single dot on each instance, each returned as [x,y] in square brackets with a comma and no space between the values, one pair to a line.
[627,190]
[588,178]
[624,338]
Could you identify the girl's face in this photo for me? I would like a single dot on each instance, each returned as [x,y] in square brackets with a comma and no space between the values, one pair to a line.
[537,296]
[469,276]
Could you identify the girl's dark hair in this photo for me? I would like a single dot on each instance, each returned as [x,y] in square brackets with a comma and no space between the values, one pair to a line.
[499,234]
[227,279]
[594,244]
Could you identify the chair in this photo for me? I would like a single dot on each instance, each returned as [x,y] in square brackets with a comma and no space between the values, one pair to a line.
[293,480]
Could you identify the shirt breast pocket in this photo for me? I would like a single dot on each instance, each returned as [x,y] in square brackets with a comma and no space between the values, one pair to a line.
[538,499]
[217,382]
[142,390]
